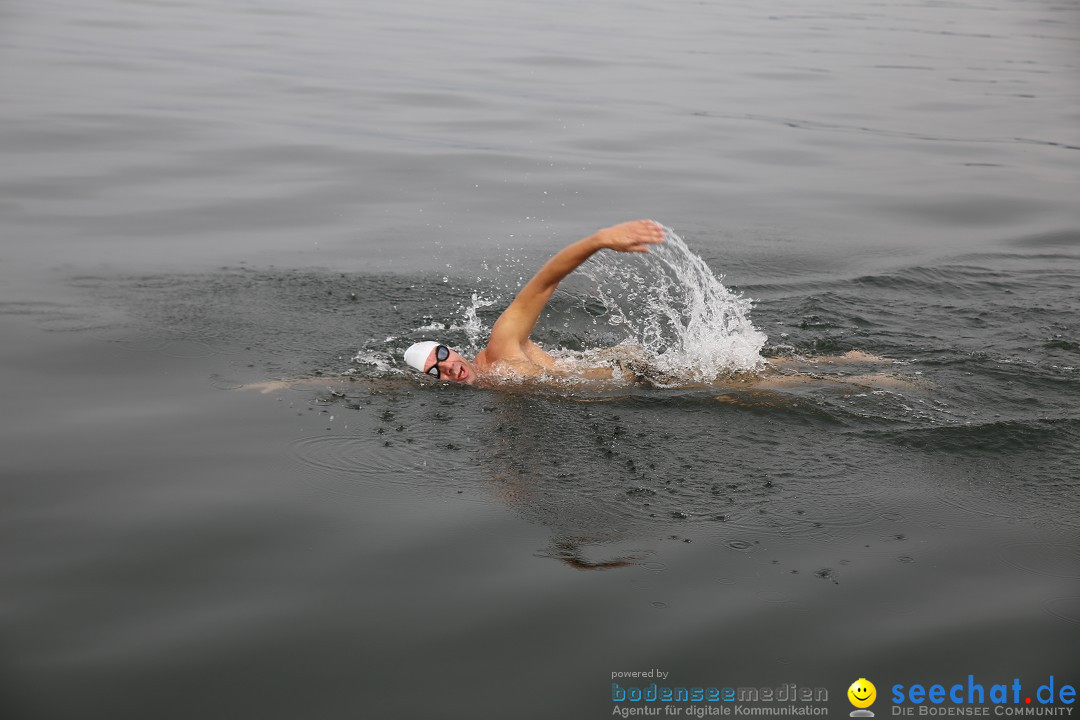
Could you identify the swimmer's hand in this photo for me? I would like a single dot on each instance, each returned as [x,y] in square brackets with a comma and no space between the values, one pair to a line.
[634,236]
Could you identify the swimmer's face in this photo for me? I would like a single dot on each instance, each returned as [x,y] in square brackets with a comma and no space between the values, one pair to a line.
[454,368]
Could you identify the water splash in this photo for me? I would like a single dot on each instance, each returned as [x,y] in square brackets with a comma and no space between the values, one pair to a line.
[466,321]
[379,361]
[679,323]
[474,327]
[676,308]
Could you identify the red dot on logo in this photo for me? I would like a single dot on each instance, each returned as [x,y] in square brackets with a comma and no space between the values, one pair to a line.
[1027,700]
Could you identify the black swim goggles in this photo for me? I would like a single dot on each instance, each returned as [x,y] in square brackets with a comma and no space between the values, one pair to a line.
[441,353]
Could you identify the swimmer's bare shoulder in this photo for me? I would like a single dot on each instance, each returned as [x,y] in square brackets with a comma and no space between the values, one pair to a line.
[516,370]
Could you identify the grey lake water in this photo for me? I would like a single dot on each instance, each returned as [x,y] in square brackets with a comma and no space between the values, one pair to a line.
[197,196]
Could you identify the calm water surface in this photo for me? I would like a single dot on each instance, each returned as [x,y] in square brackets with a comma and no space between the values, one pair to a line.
[195,196]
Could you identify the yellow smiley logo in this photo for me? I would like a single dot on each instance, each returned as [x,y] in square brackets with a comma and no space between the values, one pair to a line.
[862,693]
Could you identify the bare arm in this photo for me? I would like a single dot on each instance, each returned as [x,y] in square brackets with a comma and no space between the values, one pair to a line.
[511,331]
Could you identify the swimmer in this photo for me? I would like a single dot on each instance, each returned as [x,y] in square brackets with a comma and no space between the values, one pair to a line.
[510,350]
[511,353]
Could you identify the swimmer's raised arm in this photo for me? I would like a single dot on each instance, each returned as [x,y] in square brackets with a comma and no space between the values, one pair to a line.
[514,326]
[509,349]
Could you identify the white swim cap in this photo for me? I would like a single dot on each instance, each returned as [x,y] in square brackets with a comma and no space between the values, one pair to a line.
[418,353]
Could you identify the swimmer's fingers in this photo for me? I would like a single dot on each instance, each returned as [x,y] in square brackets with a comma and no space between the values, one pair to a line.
[653,232]
[633,236]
